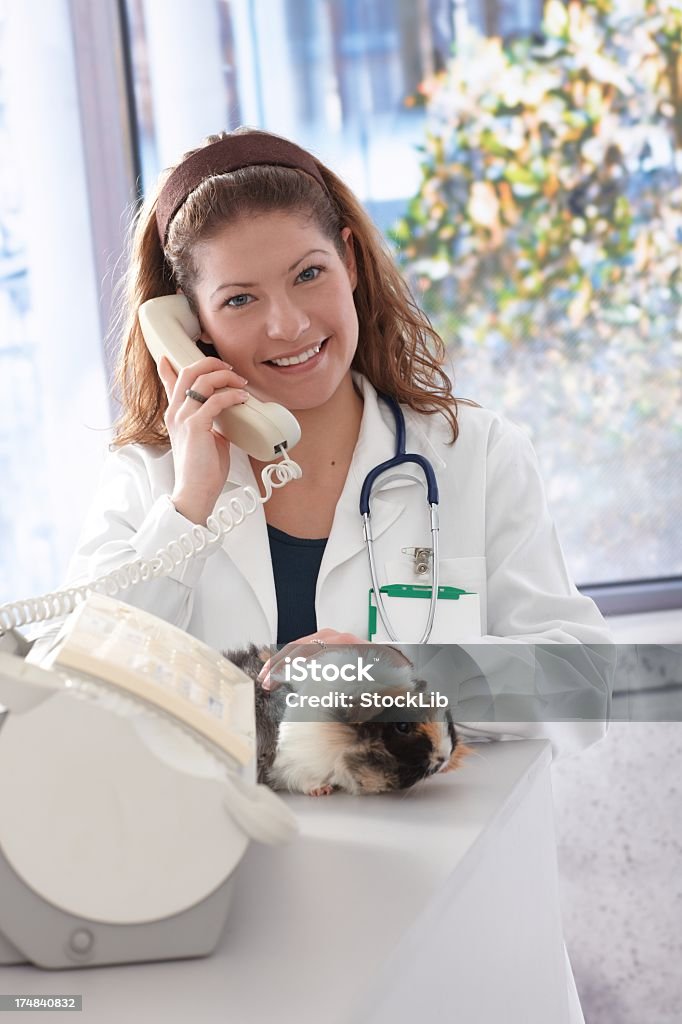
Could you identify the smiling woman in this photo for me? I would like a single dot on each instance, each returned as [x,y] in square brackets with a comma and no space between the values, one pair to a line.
[299,303]
[294,289]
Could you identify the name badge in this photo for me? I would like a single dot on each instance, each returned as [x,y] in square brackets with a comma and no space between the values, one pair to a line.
[457,618]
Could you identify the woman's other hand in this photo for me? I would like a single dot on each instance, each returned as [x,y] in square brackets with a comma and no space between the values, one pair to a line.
[313,645]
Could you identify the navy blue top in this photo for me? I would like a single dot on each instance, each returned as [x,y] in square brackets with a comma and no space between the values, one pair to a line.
[295,566]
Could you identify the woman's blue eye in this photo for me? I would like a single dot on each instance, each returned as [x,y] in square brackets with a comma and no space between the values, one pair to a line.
[316,271]
[235,301]
[307,274]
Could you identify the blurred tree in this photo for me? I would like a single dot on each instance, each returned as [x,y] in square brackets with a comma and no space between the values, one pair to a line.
[550,199]
[544,241]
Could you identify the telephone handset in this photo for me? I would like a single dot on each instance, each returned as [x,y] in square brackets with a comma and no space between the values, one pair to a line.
[261,429]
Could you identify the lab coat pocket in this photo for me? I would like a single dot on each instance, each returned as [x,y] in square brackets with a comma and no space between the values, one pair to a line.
[468,574]
[464,573]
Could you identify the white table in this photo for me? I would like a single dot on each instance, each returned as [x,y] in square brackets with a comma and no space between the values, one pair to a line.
[443,900]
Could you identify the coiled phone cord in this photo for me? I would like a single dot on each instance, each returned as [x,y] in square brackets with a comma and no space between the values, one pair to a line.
[167,559]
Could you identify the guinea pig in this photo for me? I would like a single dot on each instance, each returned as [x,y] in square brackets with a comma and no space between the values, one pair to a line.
[345,749]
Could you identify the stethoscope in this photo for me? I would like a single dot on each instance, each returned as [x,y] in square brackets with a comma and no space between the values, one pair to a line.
[399,459]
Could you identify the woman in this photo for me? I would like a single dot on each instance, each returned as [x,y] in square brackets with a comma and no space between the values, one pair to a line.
[300,304]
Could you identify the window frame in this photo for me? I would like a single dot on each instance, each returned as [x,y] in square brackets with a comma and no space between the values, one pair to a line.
[108,127]
[633,597]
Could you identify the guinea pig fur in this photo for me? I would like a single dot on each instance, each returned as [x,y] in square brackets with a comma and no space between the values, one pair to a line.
[346,750]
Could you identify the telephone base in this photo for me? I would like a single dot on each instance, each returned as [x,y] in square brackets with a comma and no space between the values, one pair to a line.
[127,799]
[10,956]
[35,931]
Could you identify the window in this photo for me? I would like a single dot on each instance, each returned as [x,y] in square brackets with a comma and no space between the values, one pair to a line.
[334,75]
[54,410]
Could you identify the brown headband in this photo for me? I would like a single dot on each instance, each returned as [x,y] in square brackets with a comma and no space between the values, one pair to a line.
[229,154]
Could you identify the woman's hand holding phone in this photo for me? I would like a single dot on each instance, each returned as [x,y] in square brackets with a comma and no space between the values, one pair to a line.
[201,455]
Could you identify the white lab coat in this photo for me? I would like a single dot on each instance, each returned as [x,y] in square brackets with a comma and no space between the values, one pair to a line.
[496,538]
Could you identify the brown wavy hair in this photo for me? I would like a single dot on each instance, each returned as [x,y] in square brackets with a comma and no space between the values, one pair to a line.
[398,350]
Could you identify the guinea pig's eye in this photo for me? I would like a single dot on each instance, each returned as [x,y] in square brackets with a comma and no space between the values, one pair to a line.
[403,727]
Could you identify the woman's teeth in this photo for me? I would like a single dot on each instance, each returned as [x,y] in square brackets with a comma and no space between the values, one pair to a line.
[302,358]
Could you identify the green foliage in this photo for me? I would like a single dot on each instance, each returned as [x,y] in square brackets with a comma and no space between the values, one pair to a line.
[544,241]
[549,206]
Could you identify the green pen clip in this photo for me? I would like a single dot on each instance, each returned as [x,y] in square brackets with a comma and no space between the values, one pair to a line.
[409,590]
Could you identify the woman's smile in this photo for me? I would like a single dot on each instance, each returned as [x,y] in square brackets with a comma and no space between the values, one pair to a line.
[302,361]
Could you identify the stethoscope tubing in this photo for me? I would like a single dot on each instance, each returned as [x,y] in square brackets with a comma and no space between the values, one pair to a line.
[400,458]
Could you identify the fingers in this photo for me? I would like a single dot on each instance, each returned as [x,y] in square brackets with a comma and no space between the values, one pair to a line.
[270,669]
[209,377]
[306,647]
[209,381]
[206,377]
[196,417]
[272,672]
[167,375]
